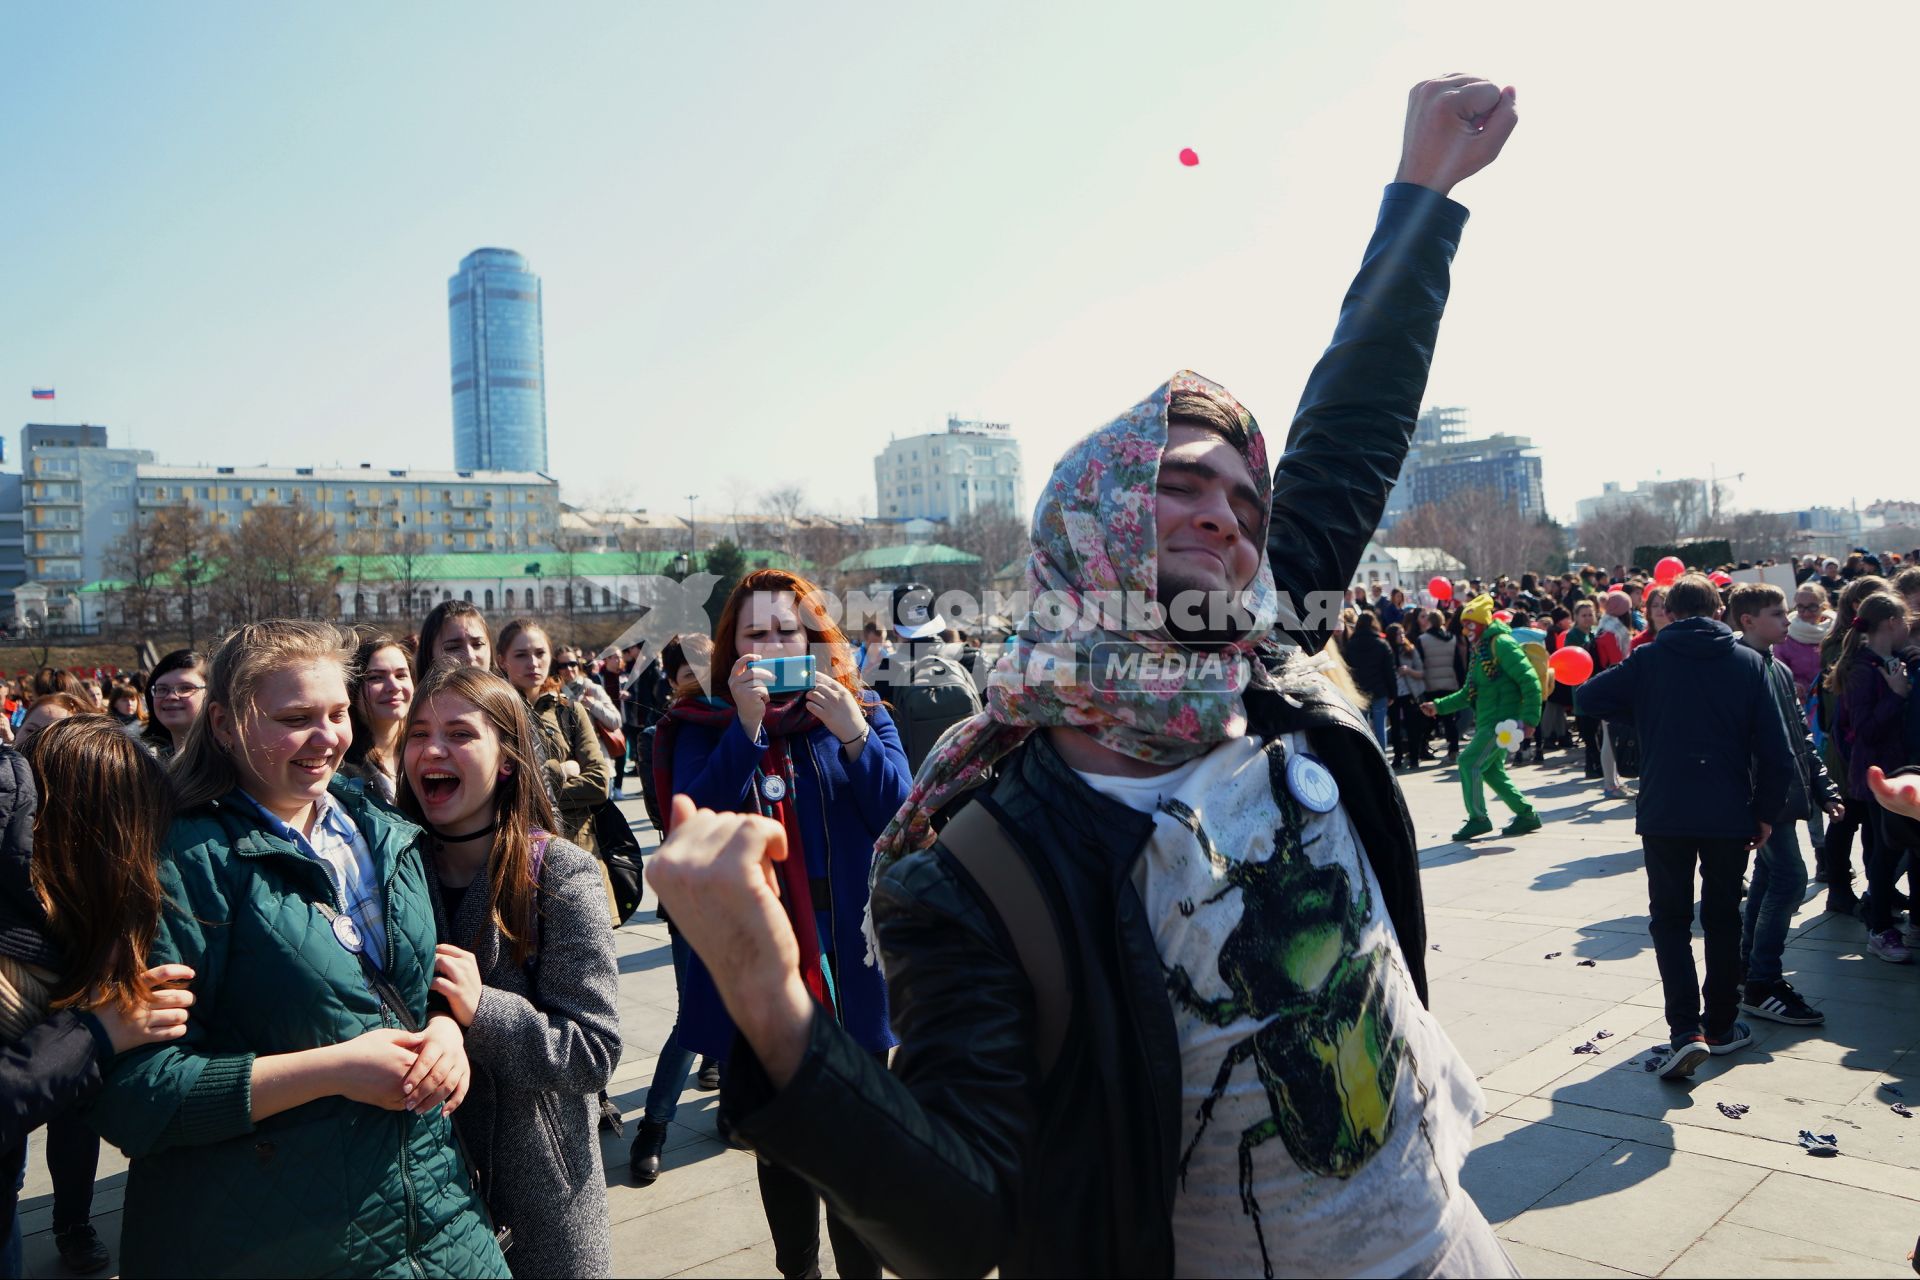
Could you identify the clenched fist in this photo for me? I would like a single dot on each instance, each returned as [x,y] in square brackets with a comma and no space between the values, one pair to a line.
[1456,125]
[716,878]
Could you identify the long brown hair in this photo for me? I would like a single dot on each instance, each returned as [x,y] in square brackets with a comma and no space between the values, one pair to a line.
[512,632]
[203,771]
[520,803]
[365,748]
[1843,611]
[1869,615]
[822,632]
[104,809]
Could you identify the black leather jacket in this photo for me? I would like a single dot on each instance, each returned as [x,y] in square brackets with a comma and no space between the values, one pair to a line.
[963,1159]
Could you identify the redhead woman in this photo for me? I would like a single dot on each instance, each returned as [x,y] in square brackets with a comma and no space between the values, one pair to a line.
[826,762]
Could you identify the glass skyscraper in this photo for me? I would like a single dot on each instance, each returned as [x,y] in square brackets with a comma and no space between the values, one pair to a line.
[499,364]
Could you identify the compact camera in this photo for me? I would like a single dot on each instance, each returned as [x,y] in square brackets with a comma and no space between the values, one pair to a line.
[790,675]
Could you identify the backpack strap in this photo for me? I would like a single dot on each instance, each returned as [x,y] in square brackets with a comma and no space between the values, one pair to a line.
[980,844]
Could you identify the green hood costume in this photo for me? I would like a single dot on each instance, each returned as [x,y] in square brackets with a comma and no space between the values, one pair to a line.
[333,1187]
[1501,685]
[1501,682]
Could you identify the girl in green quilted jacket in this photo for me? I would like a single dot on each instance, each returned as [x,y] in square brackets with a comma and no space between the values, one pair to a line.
[300,1125]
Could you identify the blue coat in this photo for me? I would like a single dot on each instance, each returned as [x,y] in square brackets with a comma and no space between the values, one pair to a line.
[1714,754]
[843,806]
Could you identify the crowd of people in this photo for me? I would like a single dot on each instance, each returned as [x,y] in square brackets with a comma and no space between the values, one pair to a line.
[1052,976]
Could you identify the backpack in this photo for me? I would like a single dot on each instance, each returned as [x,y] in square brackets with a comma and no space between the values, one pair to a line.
[1537,655]
[940,695]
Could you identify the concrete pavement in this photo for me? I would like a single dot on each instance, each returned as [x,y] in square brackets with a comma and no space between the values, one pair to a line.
[1587,1164]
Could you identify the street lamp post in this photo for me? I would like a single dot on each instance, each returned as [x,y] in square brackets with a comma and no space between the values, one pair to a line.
[692,549]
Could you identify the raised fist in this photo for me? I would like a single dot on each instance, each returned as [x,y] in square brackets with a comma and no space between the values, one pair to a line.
[1456,125]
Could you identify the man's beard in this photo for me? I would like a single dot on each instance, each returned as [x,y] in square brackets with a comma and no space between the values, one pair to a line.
[1213,624]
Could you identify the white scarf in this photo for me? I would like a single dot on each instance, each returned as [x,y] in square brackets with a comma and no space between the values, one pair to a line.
[1810,632]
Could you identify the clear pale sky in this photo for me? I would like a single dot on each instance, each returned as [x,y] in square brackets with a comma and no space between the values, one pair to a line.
[771,235]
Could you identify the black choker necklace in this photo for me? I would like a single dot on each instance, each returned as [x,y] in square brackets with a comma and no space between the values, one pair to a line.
[444,838]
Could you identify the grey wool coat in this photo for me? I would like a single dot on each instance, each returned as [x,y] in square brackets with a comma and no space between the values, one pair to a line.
[544,1042]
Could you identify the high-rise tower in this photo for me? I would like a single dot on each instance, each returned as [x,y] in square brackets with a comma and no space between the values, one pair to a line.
[499,364]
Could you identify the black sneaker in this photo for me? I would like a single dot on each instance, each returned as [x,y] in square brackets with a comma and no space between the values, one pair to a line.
[80,1249]
[1779,1002]
[1688,1053]
[709,1076]
[1841,899]
[1737,1036]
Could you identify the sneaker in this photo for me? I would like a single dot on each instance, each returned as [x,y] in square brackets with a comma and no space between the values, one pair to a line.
[1522,823]
[1842,900]
[80,1249]
[709,1076]
[1475,827]
[1688,1053]
[1910,936]
[1779,1002]
[1738,1035]
[1887,945]
[1613,793]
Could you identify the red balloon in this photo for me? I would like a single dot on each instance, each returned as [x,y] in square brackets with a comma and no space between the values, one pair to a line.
[1189,157]
[1669,568]
[1440,589]
[1502,615]
[1570,665]
[1719,579]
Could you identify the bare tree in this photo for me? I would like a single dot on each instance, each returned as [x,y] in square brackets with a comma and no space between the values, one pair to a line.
[192,546]
[994,533]
[277,565]
[783,506]
[1488,536]
[407,569]
[140,561]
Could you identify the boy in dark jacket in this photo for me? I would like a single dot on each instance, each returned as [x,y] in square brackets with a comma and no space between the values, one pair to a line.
[1715,770]
[1779,885]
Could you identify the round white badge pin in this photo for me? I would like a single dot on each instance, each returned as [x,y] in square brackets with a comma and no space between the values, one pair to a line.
[1312,783]
[347,934]
[773,789]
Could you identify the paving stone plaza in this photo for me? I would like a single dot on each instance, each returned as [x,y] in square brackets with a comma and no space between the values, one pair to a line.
[1587,1164]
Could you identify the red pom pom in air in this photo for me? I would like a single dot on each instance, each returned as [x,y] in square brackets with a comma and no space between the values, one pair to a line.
[1189,157]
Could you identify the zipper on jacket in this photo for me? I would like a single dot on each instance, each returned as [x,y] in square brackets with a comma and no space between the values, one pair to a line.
[1140,1041]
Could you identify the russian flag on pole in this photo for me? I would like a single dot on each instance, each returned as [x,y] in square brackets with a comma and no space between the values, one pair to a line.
[43,393]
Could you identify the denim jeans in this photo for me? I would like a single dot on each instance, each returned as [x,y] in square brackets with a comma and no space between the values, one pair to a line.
[670,1071]
[1670,866]
[1775,891]
[1377,716]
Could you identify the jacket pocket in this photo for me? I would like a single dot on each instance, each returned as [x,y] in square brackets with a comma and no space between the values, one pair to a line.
[567,1159]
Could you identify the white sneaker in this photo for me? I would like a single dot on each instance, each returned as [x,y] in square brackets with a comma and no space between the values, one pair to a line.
[1888,946]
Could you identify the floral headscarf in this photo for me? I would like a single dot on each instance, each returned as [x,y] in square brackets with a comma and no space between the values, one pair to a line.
[1094,531]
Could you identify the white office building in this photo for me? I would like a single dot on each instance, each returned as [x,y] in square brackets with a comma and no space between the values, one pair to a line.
[950,474]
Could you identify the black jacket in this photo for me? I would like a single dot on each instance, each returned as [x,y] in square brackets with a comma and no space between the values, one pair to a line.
[57,1064]
[1714,755]
[1372,664]
[963,1160]
[1810,787]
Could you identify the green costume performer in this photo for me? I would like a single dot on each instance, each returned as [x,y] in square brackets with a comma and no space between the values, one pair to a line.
[1501,686]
